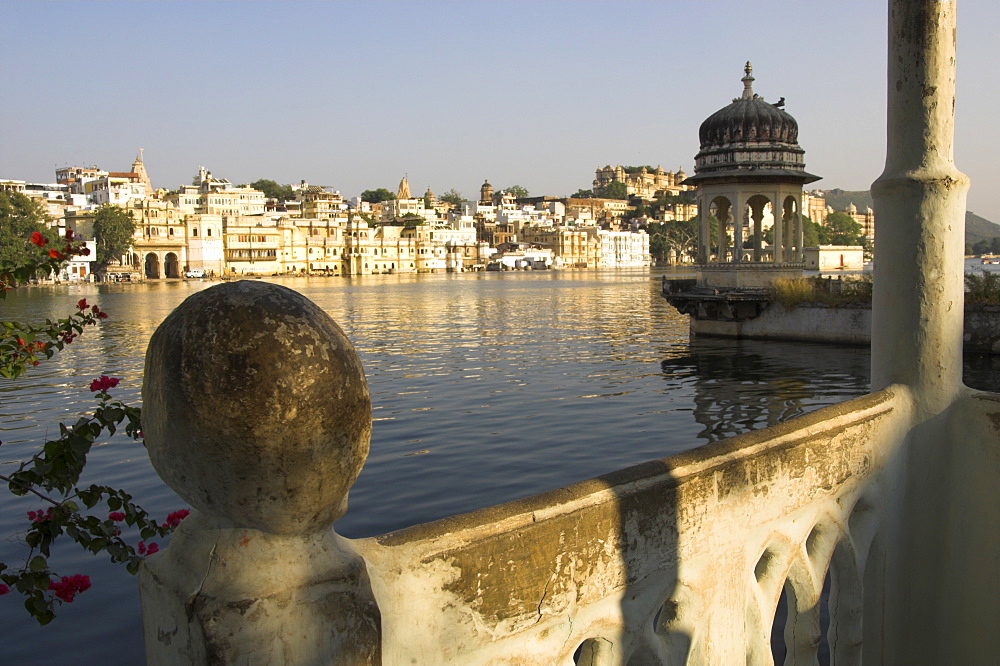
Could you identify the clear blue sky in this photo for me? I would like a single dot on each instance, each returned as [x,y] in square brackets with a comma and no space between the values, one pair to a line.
[355,94]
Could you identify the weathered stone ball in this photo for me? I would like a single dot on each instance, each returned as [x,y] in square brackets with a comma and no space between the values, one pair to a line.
[256,408]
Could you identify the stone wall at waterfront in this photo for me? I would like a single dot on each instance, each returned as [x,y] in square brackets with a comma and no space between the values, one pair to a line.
[842,325]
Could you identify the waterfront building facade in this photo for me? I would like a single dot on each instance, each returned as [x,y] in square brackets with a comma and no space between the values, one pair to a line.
[225,230]
[623,249]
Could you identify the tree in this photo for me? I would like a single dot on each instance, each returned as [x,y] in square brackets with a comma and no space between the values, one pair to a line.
[517,191]
[613,190]
[20,217]
[842,229]
[273,190]
[377,196]
[113,229]
[668,241]
[452,196]
[642,209]
[810,232]
[582,194]
[411,220]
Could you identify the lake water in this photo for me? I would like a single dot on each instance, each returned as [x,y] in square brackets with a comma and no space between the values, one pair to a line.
[486,387]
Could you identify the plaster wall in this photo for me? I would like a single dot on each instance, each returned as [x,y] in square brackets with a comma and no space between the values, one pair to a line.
[811,324]
[844,325]
[745,275]
[677,559]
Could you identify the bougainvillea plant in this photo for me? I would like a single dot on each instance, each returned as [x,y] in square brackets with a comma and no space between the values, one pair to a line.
[90,515]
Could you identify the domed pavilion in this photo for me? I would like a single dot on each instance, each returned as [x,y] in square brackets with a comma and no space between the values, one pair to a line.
[750,163]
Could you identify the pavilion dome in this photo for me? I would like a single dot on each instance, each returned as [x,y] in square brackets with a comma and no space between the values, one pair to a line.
[746,120]
[750,138]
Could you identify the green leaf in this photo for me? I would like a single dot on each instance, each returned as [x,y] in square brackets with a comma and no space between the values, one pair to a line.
[38,563]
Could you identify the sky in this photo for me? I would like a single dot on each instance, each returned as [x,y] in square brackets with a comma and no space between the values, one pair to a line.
[355,95]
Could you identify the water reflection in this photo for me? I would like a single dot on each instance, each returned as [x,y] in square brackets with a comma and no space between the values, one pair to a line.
[750,384]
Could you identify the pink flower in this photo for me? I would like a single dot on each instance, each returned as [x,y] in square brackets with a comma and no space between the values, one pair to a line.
[38,239]
[69,234]
[3,589]
[82,304]
[116,516]
[175,518]
[103,383]
[56,254]
[70,586]
[147,550]
[40,516]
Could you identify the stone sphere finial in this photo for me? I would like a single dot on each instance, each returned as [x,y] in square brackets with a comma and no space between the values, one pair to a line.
[256,408]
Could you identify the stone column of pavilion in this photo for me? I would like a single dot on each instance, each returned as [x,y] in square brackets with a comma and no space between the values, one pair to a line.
[917,313]
[256,412]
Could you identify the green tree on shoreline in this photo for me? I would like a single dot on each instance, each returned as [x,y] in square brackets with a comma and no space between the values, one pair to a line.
[113,229]
[21,216]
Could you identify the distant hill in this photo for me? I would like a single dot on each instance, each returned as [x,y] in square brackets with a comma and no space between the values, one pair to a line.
[977,228]
[841,199]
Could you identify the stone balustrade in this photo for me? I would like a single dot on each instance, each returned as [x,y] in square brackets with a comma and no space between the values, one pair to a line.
[257,413]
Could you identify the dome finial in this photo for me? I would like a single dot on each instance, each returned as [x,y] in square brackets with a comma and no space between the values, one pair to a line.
[748,81]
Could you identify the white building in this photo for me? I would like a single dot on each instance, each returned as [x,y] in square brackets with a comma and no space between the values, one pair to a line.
[623,249]
[206,243]
[118,188]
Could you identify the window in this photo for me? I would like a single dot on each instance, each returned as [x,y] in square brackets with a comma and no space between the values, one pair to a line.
[194,232]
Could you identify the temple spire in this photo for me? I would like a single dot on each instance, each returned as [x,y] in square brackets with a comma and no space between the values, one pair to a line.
[139,168]
[404,189]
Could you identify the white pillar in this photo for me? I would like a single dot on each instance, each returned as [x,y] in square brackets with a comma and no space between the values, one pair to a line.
[920,198]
